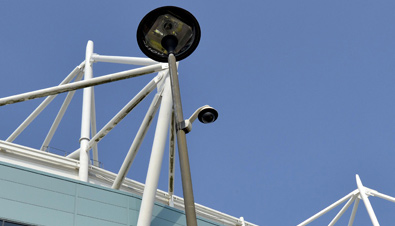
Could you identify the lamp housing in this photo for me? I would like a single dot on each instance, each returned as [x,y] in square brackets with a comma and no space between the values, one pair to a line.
[166,30]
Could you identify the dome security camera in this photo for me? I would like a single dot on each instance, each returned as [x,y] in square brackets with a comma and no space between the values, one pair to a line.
[208,115]
[205,114]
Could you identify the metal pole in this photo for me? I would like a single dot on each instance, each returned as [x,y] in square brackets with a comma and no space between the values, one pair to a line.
[189,201]
[127,162]
[86,116]
[366,201]
[155,163]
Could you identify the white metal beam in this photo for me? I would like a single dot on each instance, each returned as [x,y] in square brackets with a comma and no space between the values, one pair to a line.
[83,84]
[123,60]
[341,212]
[42,106]
[369,208]
[95,151]
[122,113]
[354,211]
[137,141]
[327,209]
[59,116]
[383,196]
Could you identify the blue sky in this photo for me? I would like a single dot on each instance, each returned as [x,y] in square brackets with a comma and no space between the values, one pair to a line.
[304,91]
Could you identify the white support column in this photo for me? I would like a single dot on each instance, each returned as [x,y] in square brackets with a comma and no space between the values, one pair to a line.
[151,183]
[86,116]
[369,208]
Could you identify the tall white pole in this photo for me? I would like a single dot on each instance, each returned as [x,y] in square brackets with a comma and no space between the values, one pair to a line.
[151,182]
[86,116]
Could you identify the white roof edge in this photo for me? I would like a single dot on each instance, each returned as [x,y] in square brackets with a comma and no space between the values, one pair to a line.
[67,167]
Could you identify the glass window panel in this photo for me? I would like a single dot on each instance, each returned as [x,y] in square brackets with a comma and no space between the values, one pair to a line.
[13,224]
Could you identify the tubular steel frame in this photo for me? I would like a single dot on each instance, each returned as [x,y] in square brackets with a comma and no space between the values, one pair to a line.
[360,193]
[168,119]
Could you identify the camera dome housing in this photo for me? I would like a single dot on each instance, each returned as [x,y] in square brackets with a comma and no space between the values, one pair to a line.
[208,115]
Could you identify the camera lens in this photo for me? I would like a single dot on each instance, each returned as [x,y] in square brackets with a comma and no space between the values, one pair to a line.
[208,116]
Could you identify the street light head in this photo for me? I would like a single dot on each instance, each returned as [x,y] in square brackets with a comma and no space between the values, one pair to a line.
[166,30]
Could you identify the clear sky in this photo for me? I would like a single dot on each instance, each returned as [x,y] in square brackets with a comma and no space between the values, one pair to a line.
[304,90]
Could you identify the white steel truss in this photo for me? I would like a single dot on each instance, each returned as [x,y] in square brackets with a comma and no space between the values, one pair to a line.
[361,192]
[79,161]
